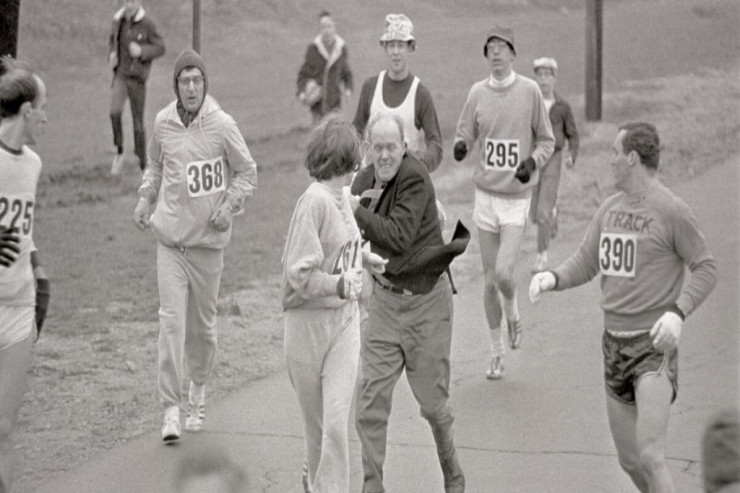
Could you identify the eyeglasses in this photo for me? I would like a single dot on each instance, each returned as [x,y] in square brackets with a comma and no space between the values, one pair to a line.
[185,81]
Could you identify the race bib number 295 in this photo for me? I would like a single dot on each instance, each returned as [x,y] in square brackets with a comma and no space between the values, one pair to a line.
[206,177]
[16,212]
[618,254]
[502,154]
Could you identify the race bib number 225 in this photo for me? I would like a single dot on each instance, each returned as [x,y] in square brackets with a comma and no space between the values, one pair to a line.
[618,254]
[16,213]
[206,177]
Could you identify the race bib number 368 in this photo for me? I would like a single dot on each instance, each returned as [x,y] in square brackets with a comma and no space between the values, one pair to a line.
[206,177]
[502,154]
[618,254]
[16,212]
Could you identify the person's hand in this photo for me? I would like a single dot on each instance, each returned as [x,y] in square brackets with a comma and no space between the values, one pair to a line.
[349,285]
[221,219]
[374,263]
[524,170]
[541,282]
[134,49]
[43,295]
[9,246]
[141,214]
[666,331]
[113,60]
[460,150]
[568,160]
[354,202]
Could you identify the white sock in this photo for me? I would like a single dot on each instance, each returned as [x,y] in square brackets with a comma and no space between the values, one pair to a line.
[497,342]
[511,307]
[197,392]
[172,412]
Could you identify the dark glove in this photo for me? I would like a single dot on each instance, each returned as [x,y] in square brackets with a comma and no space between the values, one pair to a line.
[9,246]
[43,294]
[524,170]
[460,150]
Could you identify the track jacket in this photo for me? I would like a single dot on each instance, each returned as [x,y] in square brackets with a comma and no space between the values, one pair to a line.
[192,171]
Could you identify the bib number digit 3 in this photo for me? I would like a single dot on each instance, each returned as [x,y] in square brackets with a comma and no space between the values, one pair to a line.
[502,155]
[617,254]
[205,177]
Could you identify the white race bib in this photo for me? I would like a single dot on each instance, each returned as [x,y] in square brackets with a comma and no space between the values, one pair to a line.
[206,177]
[502,154]
[618,254]
[16,211]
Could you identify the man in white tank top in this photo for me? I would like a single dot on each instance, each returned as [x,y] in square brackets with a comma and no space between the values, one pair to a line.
[397,91]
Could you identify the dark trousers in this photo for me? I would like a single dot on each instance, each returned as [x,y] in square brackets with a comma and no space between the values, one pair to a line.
[412,333]
[134,90]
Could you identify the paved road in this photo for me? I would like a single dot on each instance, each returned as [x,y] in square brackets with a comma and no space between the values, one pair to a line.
[542,428]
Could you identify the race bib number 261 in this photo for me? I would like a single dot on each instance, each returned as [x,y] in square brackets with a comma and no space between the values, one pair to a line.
[618,254]
[206,177]
[502,154]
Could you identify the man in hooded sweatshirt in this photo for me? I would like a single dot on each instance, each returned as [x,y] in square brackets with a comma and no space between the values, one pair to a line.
[198,176]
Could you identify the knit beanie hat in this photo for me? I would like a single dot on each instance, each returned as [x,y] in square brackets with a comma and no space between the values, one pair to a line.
[721,450]
[189,58]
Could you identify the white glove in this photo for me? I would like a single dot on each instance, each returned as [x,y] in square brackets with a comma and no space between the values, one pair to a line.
[141,214]
[541,282]
[349,286]
[666,332]
[374,263]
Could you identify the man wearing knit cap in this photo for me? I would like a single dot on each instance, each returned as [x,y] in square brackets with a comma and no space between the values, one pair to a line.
[543,210]
[199,174]
[133,44]
[506,115]
[395,90]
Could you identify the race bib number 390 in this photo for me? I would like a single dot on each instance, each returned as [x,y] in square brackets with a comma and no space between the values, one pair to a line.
[618,254]
[17,212]
[206,177]
[502,154]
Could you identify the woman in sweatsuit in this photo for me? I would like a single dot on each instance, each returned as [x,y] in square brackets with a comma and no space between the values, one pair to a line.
[322,278]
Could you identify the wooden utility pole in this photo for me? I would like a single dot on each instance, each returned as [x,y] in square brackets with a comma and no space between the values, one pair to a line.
[9,15]
[594,35]
[196,26]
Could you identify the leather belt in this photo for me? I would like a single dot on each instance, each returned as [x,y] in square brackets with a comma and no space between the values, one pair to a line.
[393,289]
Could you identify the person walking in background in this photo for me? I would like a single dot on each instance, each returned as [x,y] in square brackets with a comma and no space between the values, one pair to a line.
[410,313]
[545,193]
[395,90]
[641,240]
[506,115]
[199,174]
[325,74]
[133,44]
[24,286]
[322,279]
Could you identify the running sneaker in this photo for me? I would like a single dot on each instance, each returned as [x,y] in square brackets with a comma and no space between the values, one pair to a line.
[171,428]
[304,477]
[196,407]
[514,330]
[496,370]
